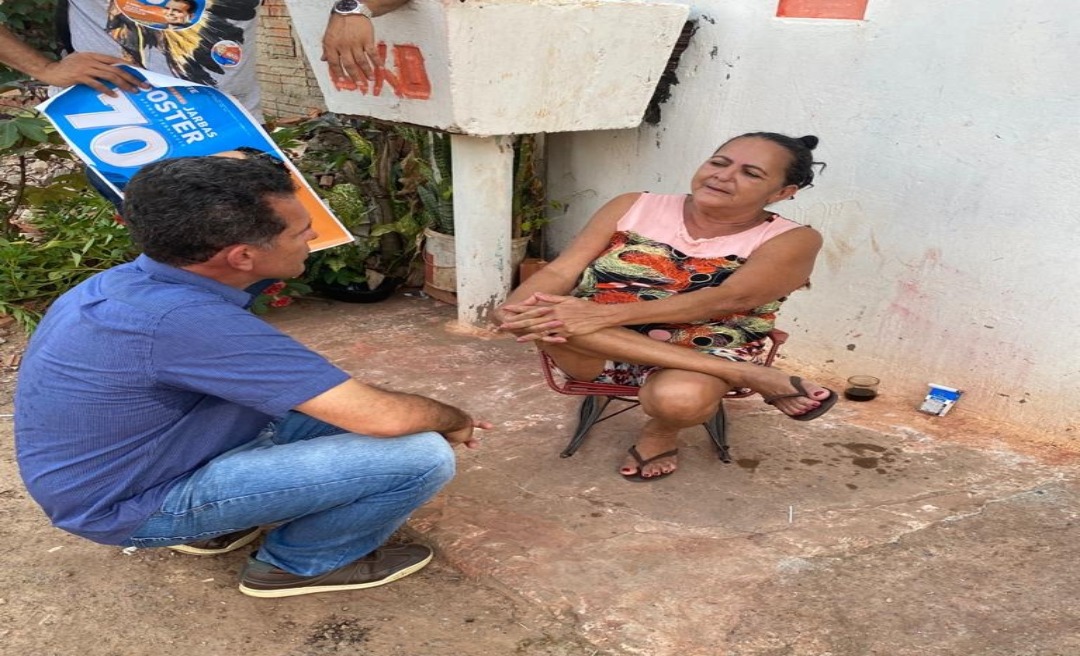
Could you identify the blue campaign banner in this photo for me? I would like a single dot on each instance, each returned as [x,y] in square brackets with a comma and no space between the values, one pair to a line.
[118,135]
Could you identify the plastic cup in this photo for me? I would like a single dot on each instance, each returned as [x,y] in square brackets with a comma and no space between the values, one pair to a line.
[861,388]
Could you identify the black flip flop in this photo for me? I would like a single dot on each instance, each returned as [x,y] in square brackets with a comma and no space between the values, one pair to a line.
[826,403]
[641,462]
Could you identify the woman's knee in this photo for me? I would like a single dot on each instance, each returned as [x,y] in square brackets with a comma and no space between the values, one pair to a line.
[680,401]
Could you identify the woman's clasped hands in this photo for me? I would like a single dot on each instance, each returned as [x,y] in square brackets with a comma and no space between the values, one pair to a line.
[553,318]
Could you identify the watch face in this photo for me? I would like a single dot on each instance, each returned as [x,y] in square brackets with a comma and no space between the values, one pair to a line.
[346,6]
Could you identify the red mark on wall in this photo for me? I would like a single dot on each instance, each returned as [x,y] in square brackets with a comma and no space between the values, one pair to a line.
[405,74]
[843,9]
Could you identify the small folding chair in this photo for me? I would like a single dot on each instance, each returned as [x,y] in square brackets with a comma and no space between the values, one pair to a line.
[599,395]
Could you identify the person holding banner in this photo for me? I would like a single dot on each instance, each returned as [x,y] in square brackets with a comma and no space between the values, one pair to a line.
[152,410]
[211,43]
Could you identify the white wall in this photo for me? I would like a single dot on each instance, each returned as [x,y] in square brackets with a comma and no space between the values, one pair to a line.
[952,136]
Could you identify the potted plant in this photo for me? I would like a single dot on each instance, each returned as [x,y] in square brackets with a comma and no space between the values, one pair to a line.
[529,213]
[358,167]
[532,210]
[351,272]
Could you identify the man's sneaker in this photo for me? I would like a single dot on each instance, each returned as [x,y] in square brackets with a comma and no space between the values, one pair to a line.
[220,544]
[381,566]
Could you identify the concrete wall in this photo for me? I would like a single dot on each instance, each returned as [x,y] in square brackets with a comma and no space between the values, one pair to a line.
[948,207]
[501,67]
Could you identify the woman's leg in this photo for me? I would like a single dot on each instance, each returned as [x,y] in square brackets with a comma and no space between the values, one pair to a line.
[337,497]
[582,355]
[673,400]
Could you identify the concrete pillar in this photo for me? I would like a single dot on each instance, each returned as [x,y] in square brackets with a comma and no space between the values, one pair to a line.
[483,202]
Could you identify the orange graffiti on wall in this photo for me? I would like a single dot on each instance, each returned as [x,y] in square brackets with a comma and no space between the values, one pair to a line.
[843,9]
[407,79]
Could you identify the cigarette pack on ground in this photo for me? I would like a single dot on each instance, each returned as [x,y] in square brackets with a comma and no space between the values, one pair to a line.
[940,399]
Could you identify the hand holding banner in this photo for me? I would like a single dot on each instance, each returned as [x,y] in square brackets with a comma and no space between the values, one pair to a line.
[118,135]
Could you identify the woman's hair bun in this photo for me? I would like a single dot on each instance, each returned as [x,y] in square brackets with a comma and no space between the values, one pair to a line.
[810,141]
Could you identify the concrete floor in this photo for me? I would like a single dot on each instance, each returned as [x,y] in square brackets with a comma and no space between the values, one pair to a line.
[873,530]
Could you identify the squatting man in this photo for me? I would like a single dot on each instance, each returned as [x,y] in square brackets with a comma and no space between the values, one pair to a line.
[154,410]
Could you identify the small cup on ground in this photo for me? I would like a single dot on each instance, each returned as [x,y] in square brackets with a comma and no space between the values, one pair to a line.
[861,388]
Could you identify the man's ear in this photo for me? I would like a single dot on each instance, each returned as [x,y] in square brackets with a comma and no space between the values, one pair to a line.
[239,256]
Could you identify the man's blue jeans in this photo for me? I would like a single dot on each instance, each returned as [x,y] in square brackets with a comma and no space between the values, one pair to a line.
[337,496]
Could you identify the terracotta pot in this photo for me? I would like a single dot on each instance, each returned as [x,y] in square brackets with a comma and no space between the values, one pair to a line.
[529,266]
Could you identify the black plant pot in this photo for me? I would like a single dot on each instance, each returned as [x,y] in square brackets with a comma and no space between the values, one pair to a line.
[359,292]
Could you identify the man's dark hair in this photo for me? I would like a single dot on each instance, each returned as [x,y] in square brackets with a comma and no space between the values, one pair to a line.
[192,7]
[183,211]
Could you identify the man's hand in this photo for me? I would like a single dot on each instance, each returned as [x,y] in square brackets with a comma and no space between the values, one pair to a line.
[349,49]
[465,435]
[92,69]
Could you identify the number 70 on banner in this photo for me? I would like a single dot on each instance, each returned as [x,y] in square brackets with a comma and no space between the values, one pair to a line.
[130,139]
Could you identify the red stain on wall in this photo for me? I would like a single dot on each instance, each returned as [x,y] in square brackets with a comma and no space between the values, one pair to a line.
[412,74]
[407,77]
[842,9]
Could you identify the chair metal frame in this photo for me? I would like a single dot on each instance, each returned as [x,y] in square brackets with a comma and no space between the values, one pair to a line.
[599,395]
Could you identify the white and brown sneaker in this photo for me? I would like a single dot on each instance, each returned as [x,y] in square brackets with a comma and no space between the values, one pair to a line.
[220,544]
[382,566]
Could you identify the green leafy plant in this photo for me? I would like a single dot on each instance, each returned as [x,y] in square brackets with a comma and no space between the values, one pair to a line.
[531,208]
[347,264]
[433,183]
[26,136]
[70,239]
[54,230]
[362,170]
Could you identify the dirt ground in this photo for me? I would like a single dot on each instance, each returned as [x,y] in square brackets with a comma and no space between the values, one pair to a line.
[874,531]
[63,596]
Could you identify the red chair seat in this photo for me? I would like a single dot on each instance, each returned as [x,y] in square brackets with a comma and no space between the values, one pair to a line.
[599,395]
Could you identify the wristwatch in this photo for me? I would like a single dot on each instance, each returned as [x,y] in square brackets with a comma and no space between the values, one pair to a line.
[353,8]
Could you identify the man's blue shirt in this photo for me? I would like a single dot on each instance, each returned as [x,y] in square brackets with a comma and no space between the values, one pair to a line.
[137,377]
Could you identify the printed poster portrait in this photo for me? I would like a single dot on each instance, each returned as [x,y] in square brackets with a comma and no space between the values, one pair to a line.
[199,40]
[162,14]
[118,135]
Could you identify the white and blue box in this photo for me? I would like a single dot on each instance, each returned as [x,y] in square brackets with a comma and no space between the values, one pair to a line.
[940,399]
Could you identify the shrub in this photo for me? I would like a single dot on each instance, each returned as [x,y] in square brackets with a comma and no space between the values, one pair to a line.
[69,240]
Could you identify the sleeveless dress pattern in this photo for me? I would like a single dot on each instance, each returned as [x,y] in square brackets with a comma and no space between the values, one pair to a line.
[651,257]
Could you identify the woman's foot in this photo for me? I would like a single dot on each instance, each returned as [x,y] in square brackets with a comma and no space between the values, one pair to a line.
[651,445]
[779,390]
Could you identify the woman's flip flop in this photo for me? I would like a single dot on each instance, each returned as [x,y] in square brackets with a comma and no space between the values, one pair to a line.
[796,382]
[641,462]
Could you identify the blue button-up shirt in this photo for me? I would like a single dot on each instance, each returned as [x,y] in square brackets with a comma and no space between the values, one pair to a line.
[138,376]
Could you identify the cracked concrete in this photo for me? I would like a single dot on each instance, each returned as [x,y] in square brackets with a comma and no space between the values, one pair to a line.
[873,530]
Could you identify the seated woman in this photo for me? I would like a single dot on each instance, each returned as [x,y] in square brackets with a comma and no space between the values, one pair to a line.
[713,265]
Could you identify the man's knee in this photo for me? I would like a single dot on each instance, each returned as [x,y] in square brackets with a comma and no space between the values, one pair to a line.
[444,457]
[431,456]
[421,457]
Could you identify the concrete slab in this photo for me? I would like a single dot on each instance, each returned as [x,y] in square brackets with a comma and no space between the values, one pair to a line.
[873,530]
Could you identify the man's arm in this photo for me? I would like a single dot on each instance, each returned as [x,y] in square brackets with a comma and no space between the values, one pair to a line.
[89,68]
[368,410]
[349,46]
